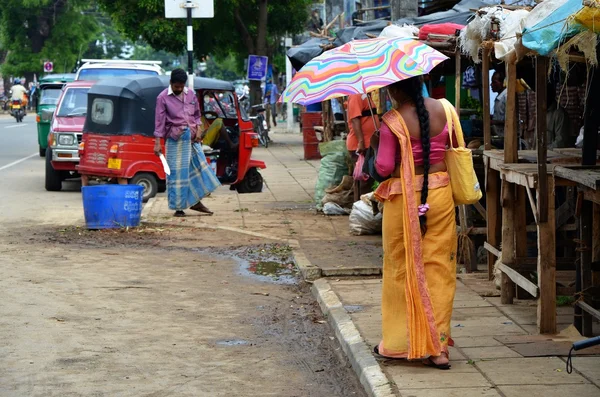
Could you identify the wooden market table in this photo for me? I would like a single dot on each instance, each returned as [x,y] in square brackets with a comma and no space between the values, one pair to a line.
[508,187]
[587,179]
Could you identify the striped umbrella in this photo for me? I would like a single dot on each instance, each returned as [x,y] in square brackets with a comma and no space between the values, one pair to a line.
[359,67]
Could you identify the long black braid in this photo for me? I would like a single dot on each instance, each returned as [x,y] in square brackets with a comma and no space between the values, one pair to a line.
[413,88]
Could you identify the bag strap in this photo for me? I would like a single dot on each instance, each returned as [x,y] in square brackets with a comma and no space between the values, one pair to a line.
[453,121]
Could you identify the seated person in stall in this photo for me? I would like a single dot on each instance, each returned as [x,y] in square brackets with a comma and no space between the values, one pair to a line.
[216,133]
[362,125]
[558,124]
[497,86]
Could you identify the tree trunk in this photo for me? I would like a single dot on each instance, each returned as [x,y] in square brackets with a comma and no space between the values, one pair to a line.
[261,49]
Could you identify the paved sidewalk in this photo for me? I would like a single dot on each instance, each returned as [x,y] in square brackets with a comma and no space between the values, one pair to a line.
[494,343]
[486,359]
[286,210]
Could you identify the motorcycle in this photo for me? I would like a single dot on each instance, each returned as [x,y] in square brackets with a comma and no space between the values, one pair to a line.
[260,124]
[17,110]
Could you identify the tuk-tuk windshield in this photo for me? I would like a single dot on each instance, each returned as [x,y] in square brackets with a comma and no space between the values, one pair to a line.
[220,102]
[50,95]
[74,103]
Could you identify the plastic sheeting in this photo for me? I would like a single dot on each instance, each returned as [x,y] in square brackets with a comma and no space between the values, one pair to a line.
[549,23]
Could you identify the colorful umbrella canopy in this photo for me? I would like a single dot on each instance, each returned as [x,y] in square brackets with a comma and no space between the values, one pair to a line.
[359,67]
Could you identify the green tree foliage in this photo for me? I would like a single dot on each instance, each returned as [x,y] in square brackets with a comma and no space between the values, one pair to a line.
[240,27]
[222,68]
[33,31]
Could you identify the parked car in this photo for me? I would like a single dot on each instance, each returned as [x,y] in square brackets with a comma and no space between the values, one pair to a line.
[98,69]
[48,95]
[62,155]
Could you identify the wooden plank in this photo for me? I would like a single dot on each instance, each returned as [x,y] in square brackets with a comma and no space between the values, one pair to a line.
[485,80]
[589,309]
[546,313]
[508,240]
[532,204]
[521,281]
[491,249]
[510,123]
[581,175]
[480,209]
[541,73]
[492,194]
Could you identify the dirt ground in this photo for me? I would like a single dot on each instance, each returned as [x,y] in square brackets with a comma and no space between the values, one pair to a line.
[160,311]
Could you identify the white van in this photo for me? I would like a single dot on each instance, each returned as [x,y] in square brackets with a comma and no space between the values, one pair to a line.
[98,69]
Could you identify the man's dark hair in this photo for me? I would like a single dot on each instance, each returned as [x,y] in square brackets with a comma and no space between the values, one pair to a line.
[178,76]
[500,73]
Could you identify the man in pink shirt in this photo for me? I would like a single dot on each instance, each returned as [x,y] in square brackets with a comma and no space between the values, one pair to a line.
[176,121]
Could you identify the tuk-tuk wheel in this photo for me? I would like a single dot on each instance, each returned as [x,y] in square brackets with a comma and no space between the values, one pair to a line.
[252,182]
[148,181]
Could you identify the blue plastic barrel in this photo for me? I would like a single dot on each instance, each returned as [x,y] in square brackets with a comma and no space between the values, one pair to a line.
[112,206]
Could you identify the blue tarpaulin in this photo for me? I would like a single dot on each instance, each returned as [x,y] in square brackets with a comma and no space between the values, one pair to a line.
[545,36]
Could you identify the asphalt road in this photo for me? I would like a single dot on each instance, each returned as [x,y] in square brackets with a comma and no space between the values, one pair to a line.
[23,197]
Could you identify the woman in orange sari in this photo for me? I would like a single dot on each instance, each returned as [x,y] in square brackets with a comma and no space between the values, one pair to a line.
[419,228]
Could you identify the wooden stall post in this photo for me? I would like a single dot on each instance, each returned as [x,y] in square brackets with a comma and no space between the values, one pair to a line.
[485,81]
[511,139]
[521,230]
[508,240]
[508,190]
[546,266]
[492,193]
[589,155]
[541,72]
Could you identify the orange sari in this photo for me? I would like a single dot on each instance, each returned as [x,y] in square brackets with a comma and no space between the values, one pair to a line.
[419,272]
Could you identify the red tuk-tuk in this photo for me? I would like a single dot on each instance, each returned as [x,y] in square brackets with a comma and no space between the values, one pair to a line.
[118,141]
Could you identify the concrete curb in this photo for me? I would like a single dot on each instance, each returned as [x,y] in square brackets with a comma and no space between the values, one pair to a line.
[354,346]
[309,271]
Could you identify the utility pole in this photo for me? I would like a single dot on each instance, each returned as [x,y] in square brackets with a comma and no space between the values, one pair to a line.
[190,10]
[189,6]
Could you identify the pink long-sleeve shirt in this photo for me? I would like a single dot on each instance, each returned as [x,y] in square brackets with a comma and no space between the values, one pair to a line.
[174,113]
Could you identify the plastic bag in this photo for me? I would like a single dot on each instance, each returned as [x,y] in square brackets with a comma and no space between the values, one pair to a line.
[334,166]
[579,141]
[359,175]
[362,221]
[334,209]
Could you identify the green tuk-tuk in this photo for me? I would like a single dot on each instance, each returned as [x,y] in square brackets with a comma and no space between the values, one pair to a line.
[47,98]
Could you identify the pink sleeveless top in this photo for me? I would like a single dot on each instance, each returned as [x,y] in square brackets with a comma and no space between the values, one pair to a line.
[388,154]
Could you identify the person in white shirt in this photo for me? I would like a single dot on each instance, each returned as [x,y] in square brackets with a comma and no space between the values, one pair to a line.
[499,104]
[17,91]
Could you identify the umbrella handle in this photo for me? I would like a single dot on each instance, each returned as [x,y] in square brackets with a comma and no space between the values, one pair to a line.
[371,110]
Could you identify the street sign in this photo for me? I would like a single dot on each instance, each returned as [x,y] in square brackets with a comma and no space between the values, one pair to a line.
[200,9]
[48,67]
[257,67]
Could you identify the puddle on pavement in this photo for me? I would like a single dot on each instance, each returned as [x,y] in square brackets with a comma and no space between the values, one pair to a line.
[268,263]
[232,342]
[353,308]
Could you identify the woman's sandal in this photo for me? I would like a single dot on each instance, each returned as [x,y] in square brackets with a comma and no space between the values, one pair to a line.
[429,363]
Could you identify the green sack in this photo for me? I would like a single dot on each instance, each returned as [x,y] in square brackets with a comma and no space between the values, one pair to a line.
[334,165]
